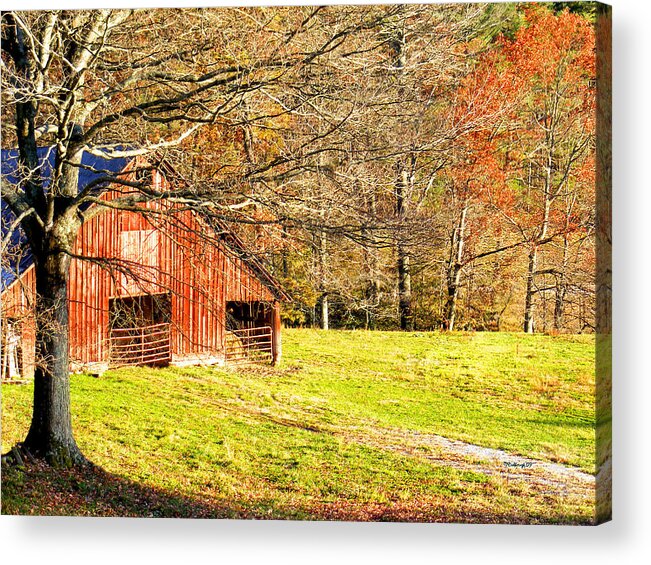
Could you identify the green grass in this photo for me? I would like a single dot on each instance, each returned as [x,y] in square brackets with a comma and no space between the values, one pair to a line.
[531,395]
[261,442]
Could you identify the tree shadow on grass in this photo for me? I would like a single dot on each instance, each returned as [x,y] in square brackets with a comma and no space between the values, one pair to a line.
[39,490]
[565,423]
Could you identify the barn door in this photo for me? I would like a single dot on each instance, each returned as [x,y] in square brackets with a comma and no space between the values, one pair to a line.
[140,330]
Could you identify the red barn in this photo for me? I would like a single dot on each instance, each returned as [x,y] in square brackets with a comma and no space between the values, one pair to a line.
[161,287]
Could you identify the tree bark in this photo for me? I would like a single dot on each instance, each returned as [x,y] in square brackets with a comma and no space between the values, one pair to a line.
[372,299]
[404,259]
[50,435]
[325,315]
[401,187]
[323,266]
[371,262]
[559,303]
[528,303]
[533,253]
[284,252]
[561,288]
[404,290]
[454,270]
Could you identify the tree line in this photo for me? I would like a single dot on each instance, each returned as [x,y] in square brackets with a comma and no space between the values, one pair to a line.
[435,170]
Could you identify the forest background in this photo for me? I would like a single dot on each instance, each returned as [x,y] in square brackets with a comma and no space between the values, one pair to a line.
[423,167]
[458,191]
[443,178]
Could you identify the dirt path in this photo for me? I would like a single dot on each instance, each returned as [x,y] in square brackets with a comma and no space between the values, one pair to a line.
[549,478]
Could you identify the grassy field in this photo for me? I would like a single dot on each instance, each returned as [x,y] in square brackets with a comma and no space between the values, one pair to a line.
[309,439]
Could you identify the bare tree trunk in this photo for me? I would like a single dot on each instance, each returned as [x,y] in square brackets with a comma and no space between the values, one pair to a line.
[533,253]
[284,253]
[529,296]
[454,270]
[325,316]
[372,299]
[453,293]
[372,288]
[404,259]
[404,290]
[276,340]
[371,262]
[50,435]
[323,250]
[561,289]
[401,187]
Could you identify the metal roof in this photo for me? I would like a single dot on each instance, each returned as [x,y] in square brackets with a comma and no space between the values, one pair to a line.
[92,168]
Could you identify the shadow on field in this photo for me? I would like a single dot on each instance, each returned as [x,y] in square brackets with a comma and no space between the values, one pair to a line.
[569,423]
[37,489]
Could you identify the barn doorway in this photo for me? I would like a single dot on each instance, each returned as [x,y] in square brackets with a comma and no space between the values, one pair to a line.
[244,315]
[140,330]
[11,354]
[248,331]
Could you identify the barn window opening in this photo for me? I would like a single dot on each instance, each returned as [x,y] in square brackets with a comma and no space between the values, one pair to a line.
[140,330]
[248,331]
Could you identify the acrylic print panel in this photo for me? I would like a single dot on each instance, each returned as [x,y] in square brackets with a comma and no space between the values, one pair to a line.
[377,279]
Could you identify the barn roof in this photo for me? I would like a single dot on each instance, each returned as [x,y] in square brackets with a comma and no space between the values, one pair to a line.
[93,167]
